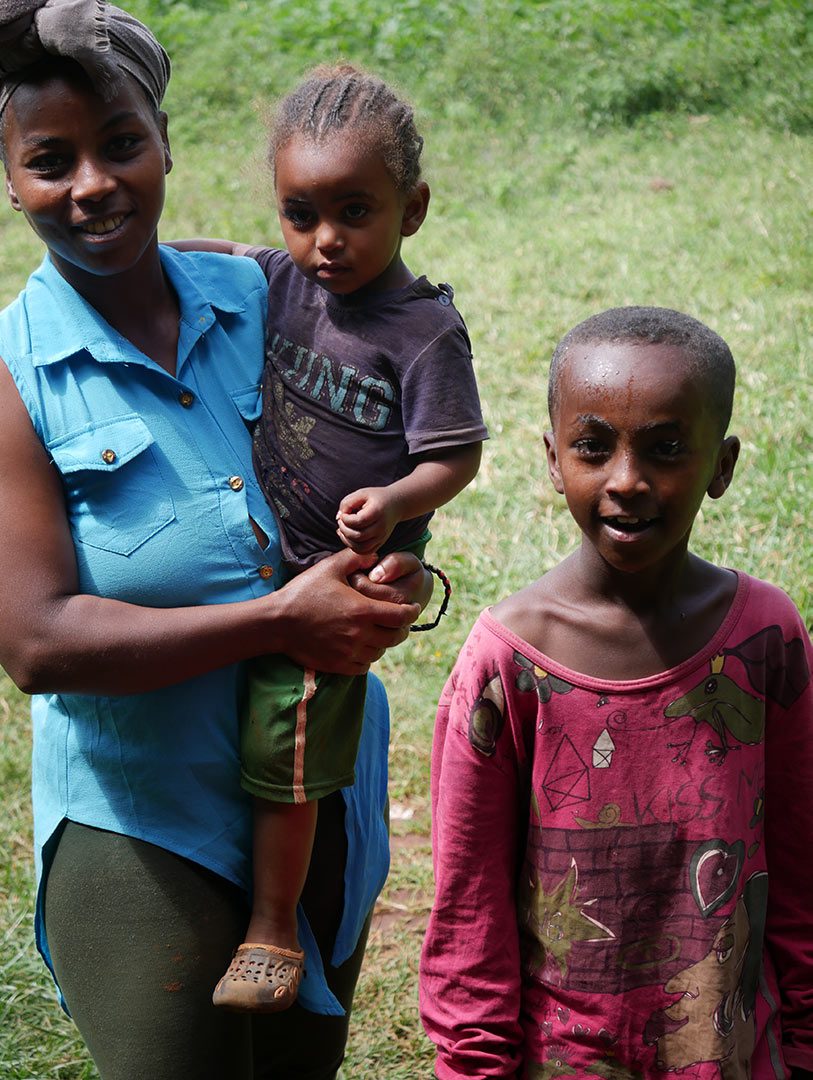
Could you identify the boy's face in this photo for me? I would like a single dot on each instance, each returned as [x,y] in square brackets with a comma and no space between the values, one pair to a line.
[342,215]
[635,449]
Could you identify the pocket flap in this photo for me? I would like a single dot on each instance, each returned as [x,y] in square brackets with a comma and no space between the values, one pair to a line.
[104,446]
[248,401]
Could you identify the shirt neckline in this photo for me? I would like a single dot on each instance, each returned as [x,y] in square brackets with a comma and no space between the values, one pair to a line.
[83,329]
[362,300]
[670,675]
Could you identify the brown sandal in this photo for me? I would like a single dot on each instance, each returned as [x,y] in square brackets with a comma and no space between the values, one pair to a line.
[260,978]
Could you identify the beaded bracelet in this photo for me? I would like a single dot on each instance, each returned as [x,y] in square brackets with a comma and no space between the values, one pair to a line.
[447,592]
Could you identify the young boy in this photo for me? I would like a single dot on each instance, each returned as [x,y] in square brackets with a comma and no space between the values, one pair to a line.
[623,763]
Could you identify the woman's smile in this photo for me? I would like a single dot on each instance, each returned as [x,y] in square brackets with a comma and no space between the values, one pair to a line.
[102,227]
[89,175]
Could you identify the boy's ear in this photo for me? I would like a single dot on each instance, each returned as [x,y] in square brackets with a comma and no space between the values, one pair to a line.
[553,462]
[12,194]
[163,121]
[726,462]
[415,209]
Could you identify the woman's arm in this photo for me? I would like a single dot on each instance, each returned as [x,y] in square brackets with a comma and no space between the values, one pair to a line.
[53,638]
[219,247]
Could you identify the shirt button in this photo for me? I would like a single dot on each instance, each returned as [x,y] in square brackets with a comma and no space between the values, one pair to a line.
[236,483]
[108,456]
[186,399]
[266,572]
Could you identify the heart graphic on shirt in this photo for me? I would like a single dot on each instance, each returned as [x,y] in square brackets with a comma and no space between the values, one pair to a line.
[714,871]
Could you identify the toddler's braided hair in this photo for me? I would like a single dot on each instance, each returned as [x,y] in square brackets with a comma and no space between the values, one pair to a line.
[341,97]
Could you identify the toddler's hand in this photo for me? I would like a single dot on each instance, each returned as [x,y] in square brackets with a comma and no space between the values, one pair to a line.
[366,518]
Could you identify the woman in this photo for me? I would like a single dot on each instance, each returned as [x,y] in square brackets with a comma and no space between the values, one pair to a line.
[139,562]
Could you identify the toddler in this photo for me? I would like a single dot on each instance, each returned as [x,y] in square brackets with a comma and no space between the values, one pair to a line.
[622,775]
[370,421]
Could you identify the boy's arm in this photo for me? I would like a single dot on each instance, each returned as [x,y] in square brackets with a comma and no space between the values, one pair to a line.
[788,841]
[219,247]
[470,981]
[367,516]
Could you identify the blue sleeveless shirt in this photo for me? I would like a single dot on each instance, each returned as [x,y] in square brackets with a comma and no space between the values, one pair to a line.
[159,487]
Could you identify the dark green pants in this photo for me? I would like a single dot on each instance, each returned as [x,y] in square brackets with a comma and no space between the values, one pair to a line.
[140,936]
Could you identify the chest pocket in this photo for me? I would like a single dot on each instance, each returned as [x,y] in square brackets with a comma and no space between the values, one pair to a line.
[248,400]
[116,495]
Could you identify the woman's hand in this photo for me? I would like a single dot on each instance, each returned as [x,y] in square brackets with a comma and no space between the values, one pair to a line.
[398,577]
[55,639]
[321,621]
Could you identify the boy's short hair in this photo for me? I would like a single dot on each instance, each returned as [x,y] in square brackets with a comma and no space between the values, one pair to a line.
[706,351]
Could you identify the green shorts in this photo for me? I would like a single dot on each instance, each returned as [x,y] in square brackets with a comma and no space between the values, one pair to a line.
[301,731]
[301,728]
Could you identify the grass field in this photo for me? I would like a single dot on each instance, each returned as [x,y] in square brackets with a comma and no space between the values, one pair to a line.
[581,155]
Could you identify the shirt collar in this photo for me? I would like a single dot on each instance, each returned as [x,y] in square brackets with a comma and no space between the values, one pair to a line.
[67,324]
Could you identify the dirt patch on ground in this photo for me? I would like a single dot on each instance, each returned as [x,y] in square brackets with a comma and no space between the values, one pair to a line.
[410,842]
[403,907]
[404,910]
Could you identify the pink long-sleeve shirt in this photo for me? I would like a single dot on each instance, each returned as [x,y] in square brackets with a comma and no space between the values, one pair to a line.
[624,870]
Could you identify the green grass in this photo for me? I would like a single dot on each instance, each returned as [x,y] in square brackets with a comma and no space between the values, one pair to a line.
[580,155]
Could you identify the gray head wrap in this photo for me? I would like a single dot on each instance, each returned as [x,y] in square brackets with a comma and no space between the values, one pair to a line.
[104,40]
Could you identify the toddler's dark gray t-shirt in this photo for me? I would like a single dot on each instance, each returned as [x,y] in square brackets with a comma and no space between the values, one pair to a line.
[353,388]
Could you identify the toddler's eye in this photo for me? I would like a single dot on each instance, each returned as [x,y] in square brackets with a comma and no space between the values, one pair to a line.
[300,219]
[355,212]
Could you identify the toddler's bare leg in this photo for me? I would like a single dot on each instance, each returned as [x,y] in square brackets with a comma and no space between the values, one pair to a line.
[266,970]
[283,841]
